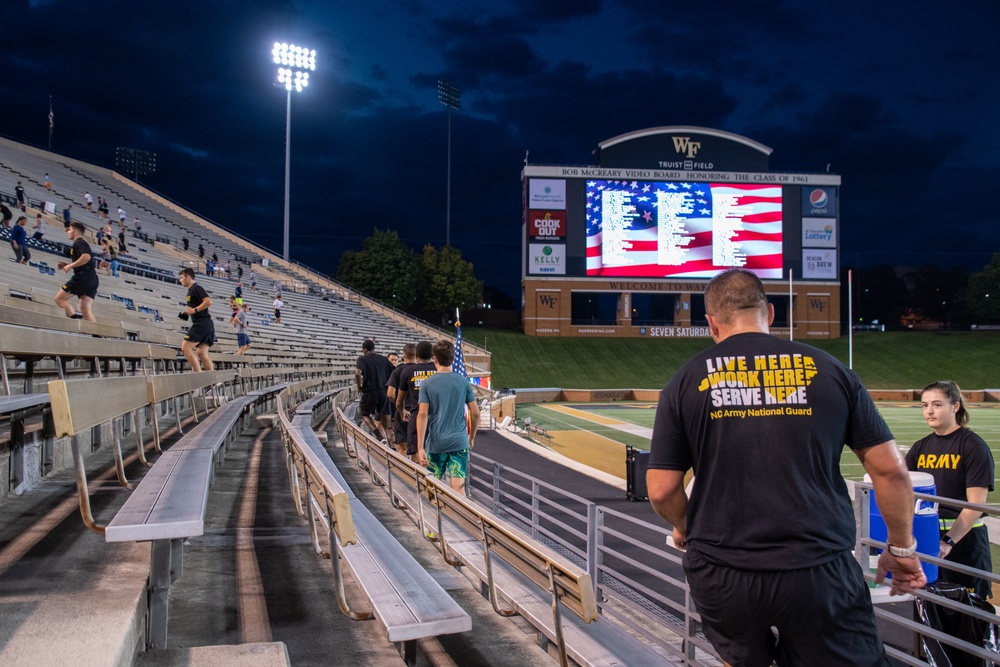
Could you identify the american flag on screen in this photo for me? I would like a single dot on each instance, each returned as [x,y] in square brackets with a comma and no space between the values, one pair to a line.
[680,229]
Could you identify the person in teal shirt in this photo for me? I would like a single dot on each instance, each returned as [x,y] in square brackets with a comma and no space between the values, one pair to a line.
[444,437]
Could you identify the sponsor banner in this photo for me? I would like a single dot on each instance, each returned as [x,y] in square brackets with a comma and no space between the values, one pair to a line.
[819,232]
[544,193]
[547,225]
[819,264]
[675,332]
[591,330]
[819,201]
[547,258]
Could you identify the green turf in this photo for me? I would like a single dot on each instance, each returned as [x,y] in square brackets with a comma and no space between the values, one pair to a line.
[894,360]
[906,423]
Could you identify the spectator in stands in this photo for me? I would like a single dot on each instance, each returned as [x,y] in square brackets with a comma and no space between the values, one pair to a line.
[121,216]
[201,333]
[89,198]
[215,258]
[239,291]
[253,281]
[84,282]
[102,207]
[19,193]
[184,242]
[239,272]
[39,228]
[392,392]
[103,258]
[371,373]
[122,245]
[48,182]
[67,215]
[229,270]
[210,268]
[769,527]
[7,215]
[444,436]
[201,251]
[113,260]
[19,241]
[135,224]
[239,320]
[277,290]
[277,309]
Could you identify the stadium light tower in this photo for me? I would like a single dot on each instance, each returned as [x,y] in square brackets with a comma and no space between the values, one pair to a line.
[450,96]
[295,63]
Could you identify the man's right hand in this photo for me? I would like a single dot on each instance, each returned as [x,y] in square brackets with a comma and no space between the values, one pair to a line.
[907,575]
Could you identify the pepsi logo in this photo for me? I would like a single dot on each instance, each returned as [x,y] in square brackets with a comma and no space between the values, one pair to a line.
[818,198]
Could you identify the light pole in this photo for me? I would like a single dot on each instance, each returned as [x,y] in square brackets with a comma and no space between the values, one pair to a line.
[294,61]
[450,96]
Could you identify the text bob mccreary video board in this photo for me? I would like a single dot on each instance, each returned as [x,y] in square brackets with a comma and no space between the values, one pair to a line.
[722,209]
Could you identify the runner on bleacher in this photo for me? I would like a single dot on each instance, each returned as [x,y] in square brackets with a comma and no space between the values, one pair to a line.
[201,334]
[84,282]
[371,373]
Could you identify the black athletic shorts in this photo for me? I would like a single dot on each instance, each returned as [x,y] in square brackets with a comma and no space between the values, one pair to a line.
[825,610]
[411,435]
[972,550]
[202,332]
[374,403]
[82,284]
[398,427]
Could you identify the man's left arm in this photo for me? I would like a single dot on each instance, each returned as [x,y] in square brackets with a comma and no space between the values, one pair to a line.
[473,421]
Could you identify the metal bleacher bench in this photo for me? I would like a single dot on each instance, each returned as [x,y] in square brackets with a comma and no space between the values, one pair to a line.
[169,503]
[517,573]
[408,602]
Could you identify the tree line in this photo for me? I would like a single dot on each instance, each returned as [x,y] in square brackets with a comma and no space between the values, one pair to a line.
[897,298]
[436,280]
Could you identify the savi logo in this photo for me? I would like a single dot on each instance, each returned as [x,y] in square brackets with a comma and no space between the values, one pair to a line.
[817,304]
[548,300]
[685,146]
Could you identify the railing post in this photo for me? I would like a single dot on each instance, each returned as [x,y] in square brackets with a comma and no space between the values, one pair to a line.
[535,490]
[496,488]
[862,519]
[595,538]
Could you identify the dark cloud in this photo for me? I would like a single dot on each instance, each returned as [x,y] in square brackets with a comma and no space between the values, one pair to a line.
[556,10]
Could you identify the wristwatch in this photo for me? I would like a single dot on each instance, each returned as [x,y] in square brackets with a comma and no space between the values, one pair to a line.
[900,552]
[947,540]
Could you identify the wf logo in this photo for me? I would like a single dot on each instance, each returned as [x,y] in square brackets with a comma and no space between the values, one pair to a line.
[686,146]
[548,300]
[817,304]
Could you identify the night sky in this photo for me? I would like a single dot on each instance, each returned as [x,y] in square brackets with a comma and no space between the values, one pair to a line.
[901,99]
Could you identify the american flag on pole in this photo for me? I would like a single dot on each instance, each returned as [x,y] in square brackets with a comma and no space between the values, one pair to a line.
[458,365]
[682,229]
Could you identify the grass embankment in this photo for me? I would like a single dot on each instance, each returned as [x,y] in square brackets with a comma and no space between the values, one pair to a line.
[894,360]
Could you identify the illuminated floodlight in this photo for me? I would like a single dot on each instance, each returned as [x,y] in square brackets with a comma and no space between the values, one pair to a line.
[295,63]
[291,55]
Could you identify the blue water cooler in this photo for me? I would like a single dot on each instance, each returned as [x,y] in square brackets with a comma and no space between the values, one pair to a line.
[926,527]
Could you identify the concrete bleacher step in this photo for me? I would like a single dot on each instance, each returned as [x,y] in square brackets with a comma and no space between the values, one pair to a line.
[270,654]
[84,606]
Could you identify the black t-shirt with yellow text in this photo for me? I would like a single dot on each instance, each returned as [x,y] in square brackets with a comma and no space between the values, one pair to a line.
[763,423]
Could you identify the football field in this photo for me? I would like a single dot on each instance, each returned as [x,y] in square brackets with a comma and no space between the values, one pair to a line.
[596,433]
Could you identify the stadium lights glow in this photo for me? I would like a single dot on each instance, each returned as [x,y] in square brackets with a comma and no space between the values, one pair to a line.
[295,64]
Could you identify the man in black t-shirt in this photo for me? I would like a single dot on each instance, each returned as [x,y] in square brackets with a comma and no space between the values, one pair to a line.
[201,334]
[371,374]
[391,391]
[769,527]
[84,282]
[408,393]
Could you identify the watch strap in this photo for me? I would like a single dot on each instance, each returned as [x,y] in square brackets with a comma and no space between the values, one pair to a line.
[903,552]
